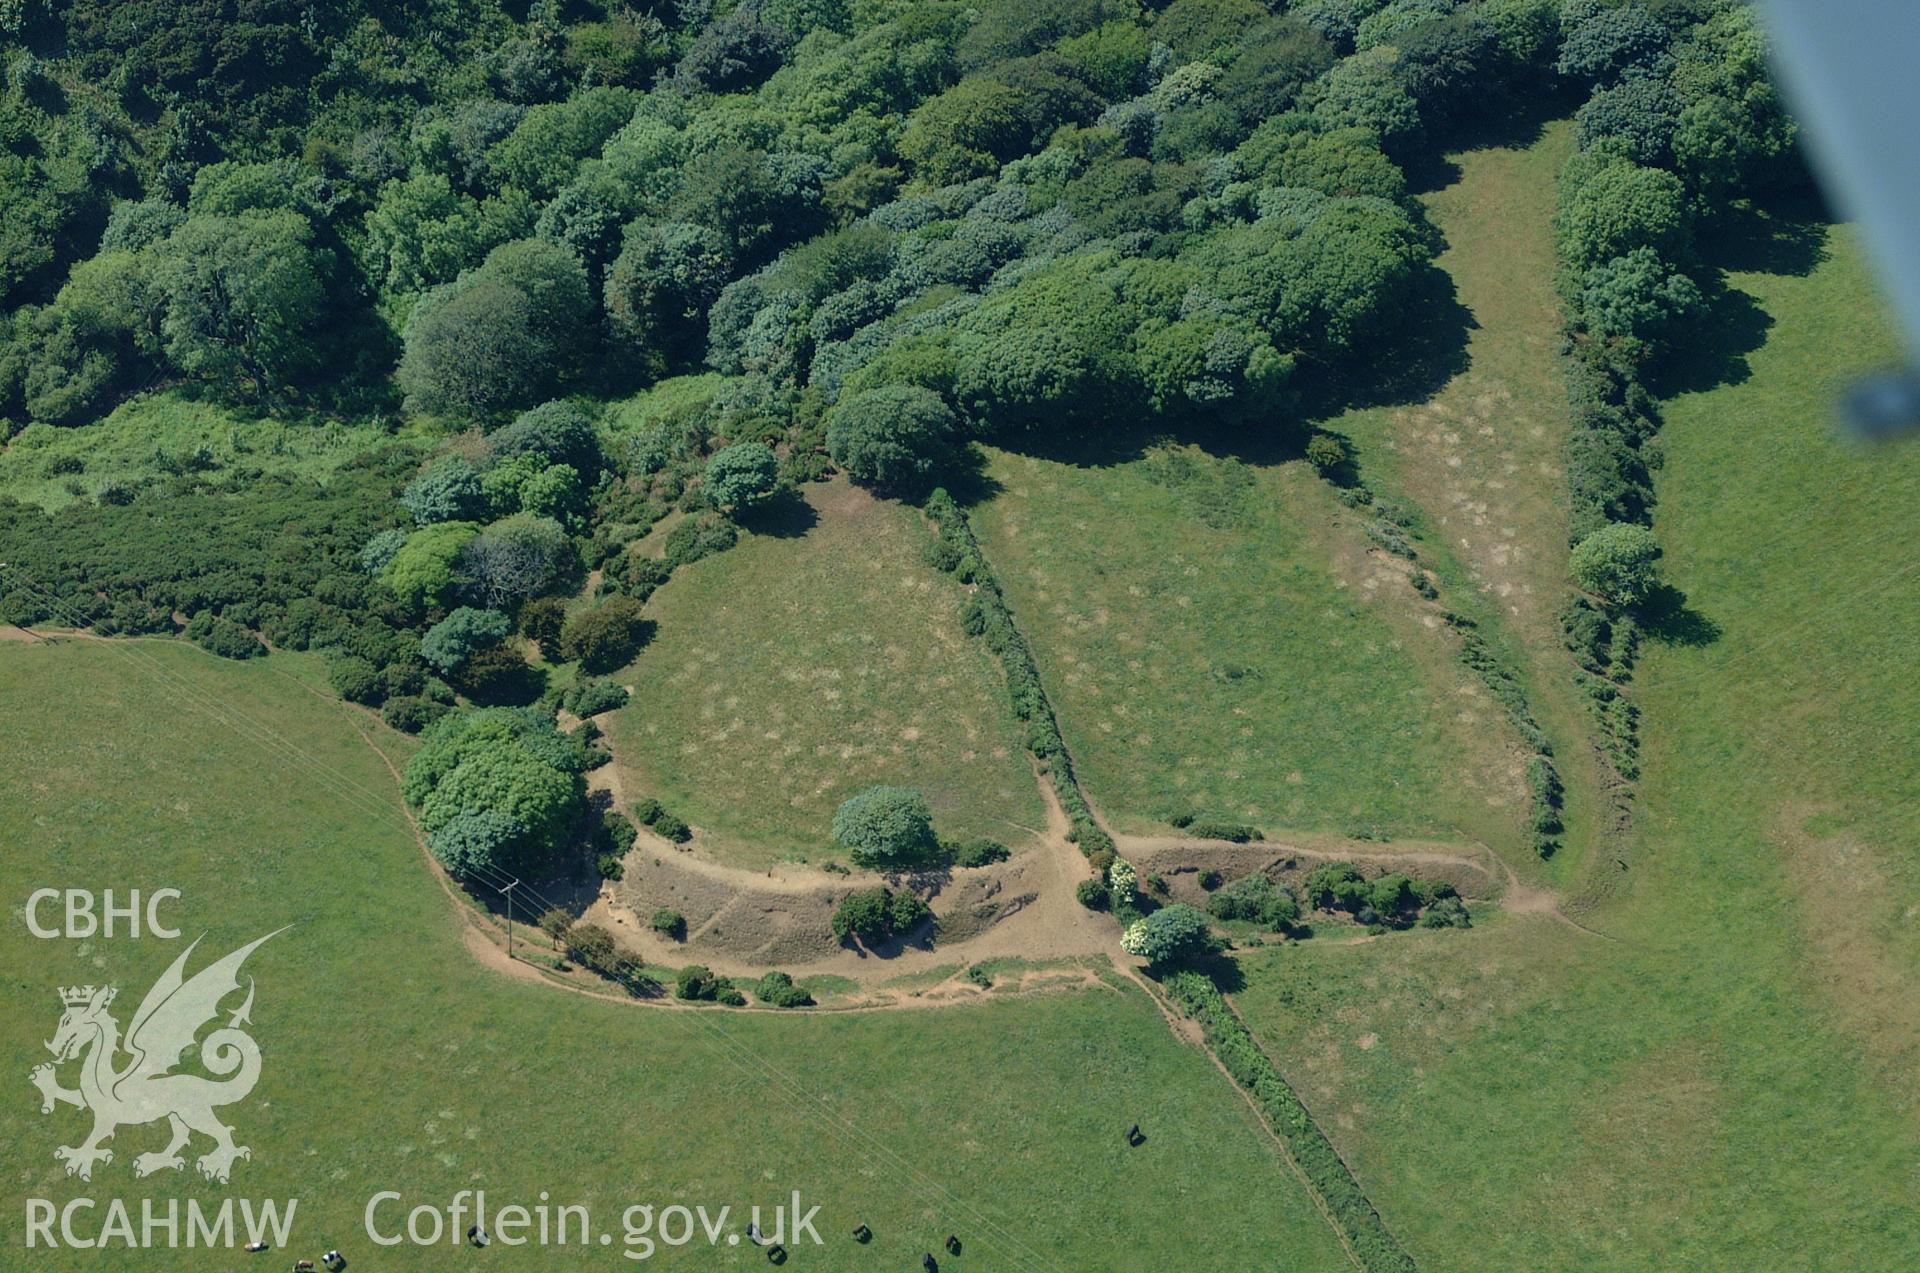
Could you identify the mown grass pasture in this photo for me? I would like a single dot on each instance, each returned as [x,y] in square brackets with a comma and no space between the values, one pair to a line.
[1206,657]
[394,1060]
[1727,1072]
[805,665]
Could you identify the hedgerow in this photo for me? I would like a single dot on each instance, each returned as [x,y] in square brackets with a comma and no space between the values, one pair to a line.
[988,616]
[1683,119]
[1375,1246]
[1395,530]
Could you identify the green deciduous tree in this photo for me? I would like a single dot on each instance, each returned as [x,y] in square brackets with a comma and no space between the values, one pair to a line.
[421,233]
[245,295]
[983,121]
[1638,297]
[1602,41]
[549,143]
[555,493]
[606,636]
[1203,30]
[777,989]
[500,336]
[895,438]
[1169,936]
[875,914]
[556,432]
[1391,895]
[1734,133]
[659,289]
[474,841]
[447,490]
[886,828]
[1052,351]
[1618,562]
[1336,885]
[741,475]
[422,573]
[448,643]
[1364,91]
[507,764]
[1392,22]
[470,351]
[1639,114]
[1298,150]
[1222,365]
[1257,899]
[1611,206]
[1528,31]
[755,201]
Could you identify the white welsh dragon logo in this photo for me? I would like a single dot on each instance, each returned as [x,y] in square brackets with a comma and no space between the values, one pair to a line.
[145,1089]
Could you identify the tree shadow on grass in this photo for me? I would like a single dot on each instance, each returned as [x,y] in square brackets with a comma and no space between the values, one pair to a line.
[1507,120]
[1125,434]
[1715,353]
[1222,969]
[1429,351]
[1666,617]
[783,515]
[920,938]
[1429,171]
[929,880]
[569,884]
[1785,232]
[967,479]
[503,681]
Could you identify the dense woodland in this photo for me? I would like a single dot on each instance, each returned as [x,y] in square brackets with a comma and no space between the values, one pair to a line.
[1032,211]
[808,234]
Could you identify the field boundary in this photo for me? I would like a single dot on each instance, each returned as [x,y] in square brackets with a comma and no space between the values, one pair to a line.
[1329,1181]
[1329,1177]
[990,615]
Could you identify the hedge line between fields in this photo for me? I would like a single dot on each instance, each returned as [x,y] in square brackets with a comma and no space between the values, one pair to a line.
[1366,1233]
[1391,527]
[988,616]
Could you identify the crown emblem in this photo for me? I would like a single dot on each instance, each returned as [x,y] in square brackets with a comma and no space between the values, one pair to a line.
[79,996]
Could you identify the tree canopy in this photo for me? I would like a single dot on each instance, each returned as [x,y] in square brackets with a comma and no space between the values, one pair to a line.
[1618,562]
[886,827]
[496,789]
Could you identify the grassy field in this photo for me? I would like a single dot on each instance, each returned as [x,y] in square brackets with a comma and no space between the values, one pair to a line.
[1796,548]
[1206,654]
[150,436]
[796,669]
[1483,455]
[394,1061]
[1727,1078]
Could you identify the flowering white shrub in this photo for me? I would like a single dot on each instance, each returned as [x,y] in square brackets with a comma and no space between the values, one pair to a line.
[1121,877]
[1134,940]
